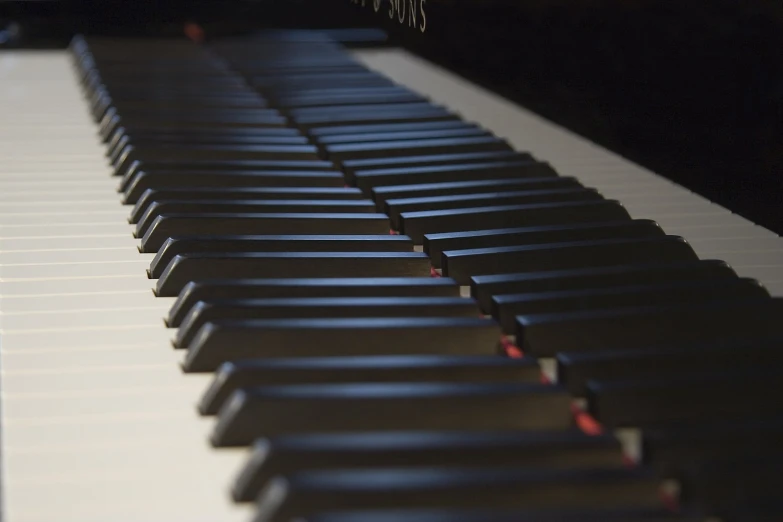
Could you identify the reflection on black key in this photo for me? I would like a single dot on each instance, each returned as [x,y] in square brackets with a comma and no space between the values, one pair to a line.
[319,308]
[436,244]
[483,287]
[369,179]
[241,194]
[356,118]
[462,264]
[320,132]
[328,408]
[172,225]
[507,307]
[416,224]
[422,160]
[407,368]
[697,397]
[250,206]
[298,243]
[466,130]
[192,165]
[143,181]
[224,341]
[185,268]
[381,194]
[616,329]
[511,197]
[286,455]
[302,287]
[575,369]
[379,149]
[306,493]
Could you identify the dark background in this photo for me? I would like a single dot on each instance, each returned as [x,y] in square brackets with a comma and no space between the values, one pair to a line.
[692,89]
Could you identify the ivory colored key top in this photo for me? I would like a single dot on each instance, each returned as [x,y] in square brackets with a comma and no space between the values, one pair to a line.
[224,341]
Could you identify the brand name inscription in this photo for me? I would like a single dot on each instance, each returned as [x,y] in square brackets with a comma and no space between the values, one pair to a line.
[410,13]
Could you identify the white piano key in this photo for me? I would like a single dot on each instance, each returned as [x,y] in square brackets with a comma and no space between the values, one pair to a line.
[68,242]
[23,231]
[71,285]
[75,269]
[84,300]
[123,253]
[95,336]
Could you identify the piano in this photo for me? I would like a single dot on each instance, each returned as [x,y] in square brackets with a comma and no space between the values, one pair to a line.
[310,275]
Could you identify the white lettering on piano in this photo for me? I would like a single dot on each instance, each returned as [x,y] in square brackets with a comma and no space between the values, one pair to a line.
[407,12]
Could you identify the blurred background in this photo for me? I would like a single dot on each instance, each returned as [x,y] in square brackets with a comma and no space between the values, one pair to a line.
[692,90]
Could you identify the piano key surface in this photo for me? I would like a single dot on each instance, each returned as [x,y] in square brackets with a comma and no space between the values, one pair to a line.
[97,417]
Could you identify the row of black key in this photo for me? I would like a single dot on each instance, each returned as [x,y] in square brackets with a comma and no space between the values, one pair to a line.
[231,184]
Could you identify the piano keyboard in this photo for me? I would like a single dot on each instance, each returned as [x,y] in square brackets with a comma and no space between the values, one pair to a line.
[486,361]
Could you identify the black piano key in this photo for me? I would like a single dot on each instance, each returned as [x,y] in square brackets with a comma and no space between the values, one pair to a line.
[185,268]
[319,308]
[676,448]
[298,243]
[436,244]
[134,126]
[272,206]
[461,265]
[288,455]
[224,341]
[495,515]
[322,132]
[574,370]
[381,194]
[299,287]
[466,130]
[408,368]
[367,180]
[379,149]
[374,96]
[192,165]
[306,493]
[120,137]
[545,335]
[417,224]
[350,167]
[131,154]
[143,181]
[328,408]
[297,113]
[732,394]
[510,197]
[357,118]
[507,307]
[160,142]
[204,224]
[484,287]
[241,194]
